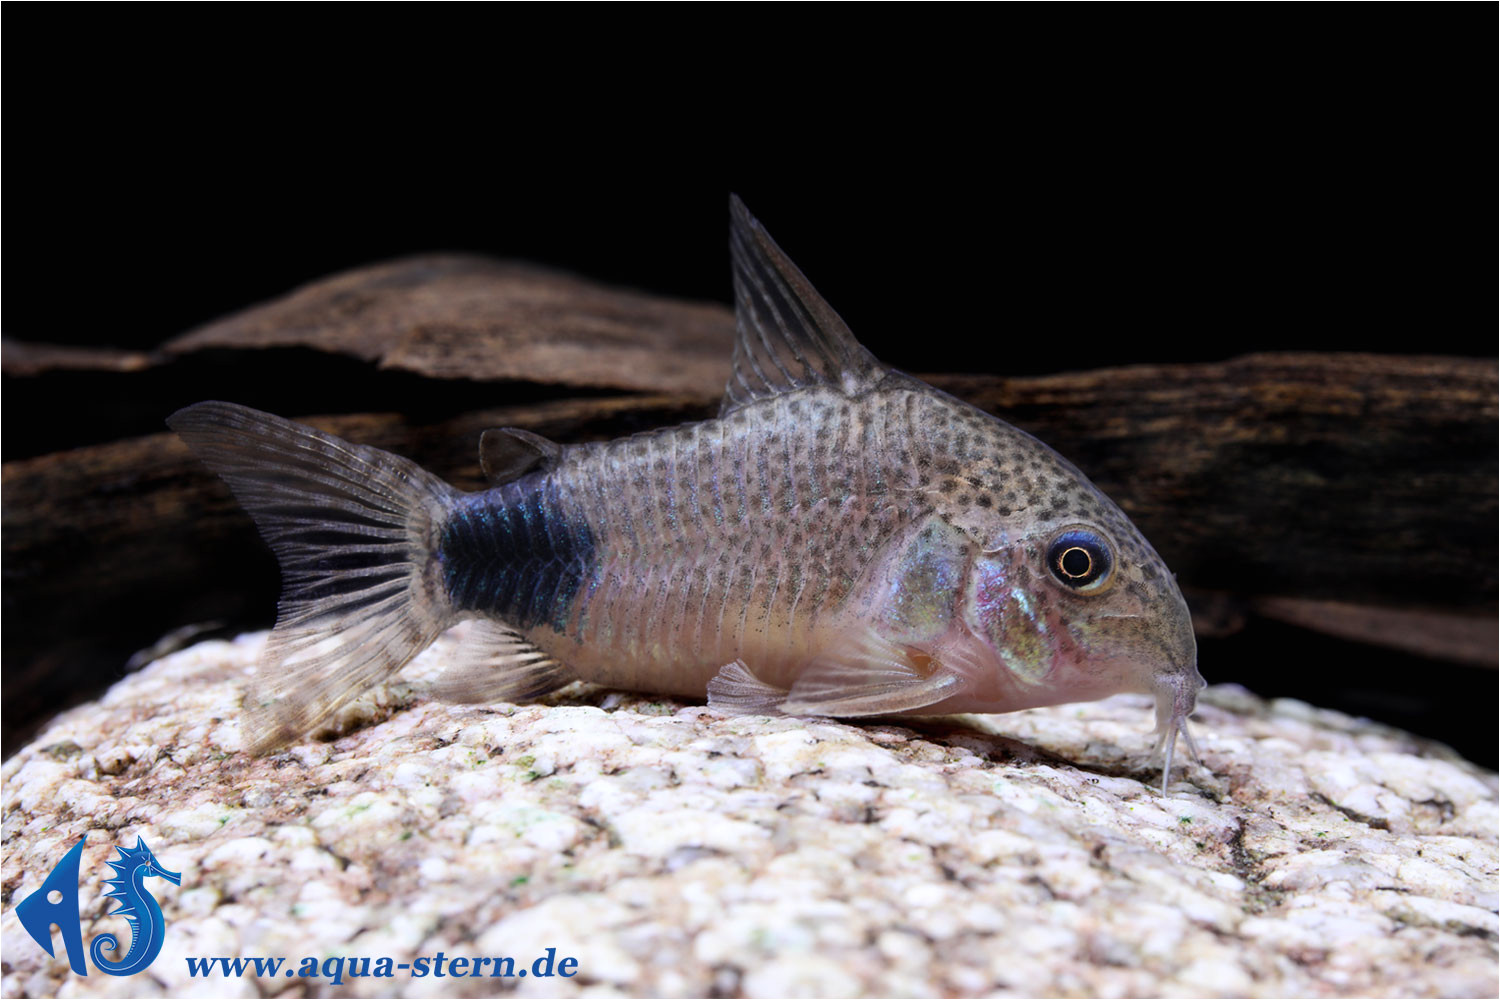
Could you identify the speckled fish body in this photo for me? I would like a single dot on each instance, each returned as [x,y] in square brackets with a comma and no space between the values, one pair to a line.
[842,540]
[803,526]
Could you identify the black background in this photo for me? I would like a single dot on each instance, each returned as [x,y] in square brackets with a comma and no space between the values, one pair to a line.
[1015,189]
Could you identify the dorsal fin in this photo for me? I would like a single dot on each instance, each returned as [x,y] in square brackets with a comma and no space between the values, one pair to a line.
[786,336]
[507,453]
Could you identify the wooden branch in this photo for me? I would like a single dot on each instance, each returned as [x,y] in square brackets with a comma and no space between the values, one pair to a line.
[1439,635]
[457,317]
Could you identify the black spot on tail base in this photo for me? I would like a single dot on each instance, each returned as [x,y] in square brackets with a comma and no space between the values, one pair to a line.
[516,554]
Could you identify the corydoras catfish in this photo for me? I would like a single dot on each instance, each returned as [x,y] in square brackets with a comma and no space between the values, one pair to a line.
[842,540]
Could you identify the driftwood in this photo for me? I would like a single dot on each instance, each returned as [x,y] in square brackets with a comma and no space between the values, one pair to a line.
[475,318]
[1355,494]
[462,317]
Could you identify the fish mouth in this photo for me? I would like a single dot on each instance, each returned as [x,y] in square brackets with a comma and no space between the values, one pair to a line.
[1160,640]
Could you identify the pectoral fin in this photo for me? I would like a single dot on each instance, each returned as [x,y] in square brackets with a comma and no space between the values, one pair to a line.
[869,676]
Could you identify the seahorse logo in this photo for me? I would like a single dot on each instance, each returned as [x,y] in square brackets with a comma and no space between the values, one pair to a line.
[38,913]
[147,928]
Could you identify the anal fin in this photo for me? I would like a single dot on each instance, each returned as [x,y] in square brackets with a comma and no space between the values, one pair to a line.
[497,664]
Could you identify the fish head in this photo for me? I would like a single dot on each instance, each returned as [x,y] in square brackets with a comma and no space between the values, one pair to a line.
[1082,607]
[1077,606]
[1067,597]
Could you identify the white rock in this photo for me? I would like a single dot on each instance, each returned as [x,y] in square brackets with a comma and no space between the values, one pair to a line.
[672,851]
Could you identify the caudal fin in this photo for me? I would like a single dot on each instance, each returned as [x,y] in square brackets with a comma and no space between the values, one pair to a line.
[354,529]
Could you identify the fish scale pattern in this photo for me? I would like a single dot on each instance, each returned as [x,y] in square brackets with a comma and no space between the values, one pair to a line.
[731,538]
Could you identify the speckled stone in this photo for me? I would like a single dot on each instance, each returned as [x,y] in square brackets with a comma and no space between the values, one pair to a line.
[676,852]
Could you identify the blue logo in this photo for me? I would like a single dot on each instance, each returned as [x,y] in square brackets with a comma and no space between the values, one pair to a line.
[37,912]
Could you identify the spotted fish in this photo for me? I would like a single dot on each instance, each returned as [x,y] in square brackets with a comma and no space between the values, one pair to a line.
[842,540]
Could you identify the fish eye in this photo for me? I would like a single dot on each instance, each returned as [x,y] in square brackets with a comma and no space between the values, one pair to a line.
[1081,559]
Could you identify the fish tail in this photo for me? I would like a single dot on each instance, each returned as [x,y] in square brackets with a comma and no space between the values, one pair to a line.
[355,531]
